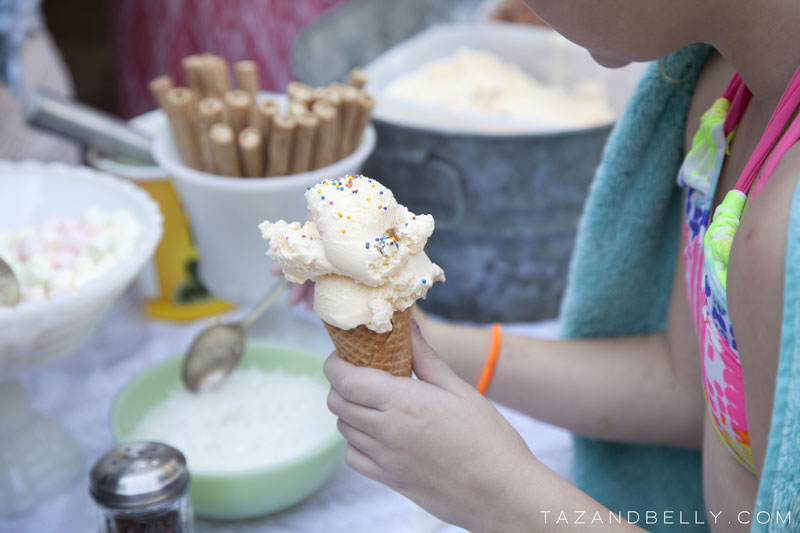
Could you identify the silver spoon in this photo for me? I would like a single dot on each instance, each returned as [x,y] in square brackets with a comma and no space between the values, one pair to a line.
[217,349]
[9,286]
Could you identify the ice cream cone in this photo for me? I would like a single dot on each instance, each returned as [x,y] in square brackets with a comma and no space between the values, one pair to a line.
[390,351]
[364,252]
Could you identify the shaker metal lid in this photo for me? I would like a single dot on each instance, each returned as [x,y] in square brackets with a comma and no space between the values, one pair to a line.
[138,474]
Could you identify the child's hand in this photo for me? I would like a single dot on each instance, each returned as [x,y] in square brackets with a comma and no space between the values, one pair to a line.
[297,293]
[435,440]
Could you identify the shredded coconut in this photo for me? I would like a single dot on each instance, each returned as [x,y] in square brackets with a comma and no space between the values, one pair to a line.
[254,419]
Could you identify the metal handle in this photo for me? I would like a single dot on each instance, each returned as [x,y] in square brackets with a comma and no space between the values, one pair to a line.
[265,302]
[104,132]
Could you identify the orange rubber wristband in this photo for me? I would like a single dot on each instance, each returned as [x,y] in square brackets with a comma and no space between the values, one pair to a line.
[491,359]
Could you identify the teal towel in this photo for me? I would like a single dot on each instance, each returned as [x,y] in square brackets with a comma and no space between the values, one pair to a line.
[619,284]
[620,278]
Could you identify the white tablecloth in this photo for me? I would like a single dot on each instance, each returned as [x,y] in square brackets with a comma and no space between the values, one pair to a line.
[77,391]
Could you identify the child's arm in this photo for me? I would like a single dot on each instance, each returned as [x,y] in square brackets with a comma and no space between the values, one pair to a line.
[633,389]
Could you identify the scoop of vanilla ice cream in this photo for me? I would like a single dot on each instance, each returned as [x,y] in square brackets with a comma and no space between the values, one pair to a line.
[363,250]
[298,249]
[361,223]
[345,303]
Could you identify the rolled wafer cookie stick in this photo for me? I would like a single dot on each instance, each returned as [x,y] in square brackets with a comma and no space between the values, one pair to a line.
[347,121]
[298,109]
[326,133]
[159,87]
[203,64]
[252,152]
[214,74]
[193,71]
[357,78]
[305,138]
[265,112]
[247,77]
[224,150]
[238,108]
[332,96]
[221,74]
[321,93]
[183,119]
[364,106]
[300,92]
[279,149]
[336,86]
[210,111]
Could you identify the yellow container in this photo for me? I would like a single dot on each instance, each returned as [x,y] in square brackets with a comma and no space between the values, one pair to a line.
[169,286]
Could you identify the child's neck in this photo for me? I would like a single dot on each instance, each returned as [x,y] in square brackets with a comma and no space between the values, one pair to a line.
[762,44]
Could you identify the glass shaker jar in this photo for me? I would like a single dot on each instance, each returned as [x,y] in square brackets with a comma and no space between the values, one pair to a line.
[142,487]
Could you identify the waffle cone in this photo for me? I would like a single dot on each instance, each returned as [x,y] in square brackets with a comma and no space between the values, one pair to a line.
[390,351]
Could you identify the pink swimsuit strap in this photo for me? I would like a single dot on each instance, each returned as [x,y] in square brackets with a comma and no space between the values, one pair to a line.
[777,138]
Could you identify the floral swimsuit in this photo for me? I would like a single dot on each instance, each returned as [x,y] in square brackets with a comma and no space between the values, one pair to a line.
[708,246]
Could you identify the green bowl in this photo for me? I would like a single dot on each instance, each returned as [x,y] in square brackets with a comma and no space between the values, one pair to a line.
[243,493]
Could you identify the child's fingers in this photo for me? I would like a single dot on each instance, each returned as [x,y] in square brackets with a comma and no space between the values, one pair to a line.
[363,464]
[364,419]
[364,442]
[302,293]
[428,366]
[308,294]
[369,387]
[296,293]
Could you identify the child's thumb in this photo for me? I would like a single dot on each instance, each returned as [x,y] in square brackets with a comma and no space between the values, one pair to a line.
[427,364]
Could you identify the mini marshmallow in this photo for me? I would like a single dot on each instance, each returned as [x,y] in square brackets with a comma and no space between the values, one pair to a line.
[62,254]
